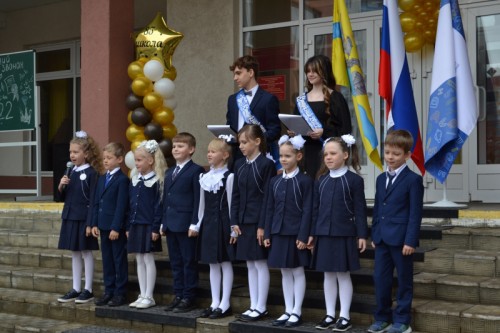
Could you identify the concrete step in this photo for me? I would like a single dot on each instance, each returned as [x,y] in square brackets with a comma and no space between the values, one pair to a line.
[31,221]
[487,239]
[12,323]
[461,262]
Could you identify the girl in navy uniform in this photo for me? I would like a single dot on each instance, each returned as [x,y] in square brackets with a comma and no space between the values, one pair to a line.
[339,226]
[213,219]
[77,190]
[288,223]
[251,179]
[143,232]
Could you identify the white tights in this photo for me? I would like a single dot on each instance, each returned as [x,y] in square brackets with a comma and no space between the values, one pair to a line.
[146,273]
[76,263]
[344,290]
[294,288]
[221,273]
[258,284]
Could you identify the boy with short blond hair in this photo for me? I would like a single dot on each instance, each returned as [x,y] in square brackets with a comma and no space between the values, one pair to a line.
[397,215]
[108,221]
[180,203]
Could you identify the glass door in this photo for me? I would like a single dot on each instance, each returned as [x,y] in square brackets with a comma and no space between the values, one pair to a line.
[318,40]
[484,51]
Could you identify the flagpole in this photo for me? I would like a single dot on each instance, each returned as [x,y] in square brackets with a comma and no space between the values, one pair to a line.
[445,202]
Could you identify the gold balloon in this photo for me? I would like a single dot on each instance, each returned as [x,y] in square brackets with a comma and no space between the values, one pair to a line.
[430,35]
[157,40]
[419,24]
[129,118]
[169,131]
[134,132]
[135,144]
[140,137]
[413,41]
[417,7]
[135,69]
[406,4]
[408,21]
[163,115]
[142,85]
[170,74]
[152,101]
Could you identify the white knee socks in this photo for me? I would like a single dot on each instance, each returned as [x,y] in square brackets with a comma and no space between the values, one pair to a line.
[294,288]
[222,272]
[149,262]
[345,292]
[88,261]
[76,264]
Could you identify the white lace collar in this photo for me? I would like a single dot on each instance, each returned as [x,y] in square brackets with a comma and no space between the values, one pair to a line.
[148,179]
[291,174]
[339,172]
[212,180]
[81,167]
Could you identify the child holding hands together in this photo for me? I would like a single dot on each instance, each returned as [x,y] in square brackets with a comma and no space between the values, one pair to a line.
[339,226]
[288,222]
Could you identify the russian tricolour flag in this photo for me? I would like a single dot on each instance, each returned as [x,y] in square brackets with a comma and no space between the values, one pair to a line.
[395,83]
[452,108]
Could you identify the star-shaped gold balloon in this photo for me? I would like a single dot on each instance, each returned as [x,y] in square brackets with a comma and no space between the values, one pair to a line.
[157,40]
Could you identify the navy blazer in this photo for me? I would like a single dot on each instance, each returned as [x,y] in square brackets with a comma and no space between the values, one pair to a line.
[289,206]
[265,107]
[111,202]
[181,198]
[340,206]
[78,196]
[397,213]
[249,190]
[145,203]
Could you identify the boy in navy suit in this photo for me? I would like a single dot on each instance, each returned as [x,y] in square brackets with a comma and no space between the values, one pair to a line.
[108,221]
[181,196]
[252,105]
[397,215]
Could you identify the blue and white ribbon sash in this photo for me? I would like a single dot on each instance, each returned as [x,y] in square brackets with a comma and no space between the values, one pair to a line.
[307,113]
[245,111]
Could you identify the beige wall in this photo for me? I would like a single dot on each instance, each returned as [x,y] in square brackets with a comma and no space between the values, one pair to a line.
[202,60]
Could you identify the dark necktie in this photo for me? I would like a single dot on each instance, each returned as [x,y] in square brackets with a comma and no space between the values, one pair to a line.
[391,179]
[108,178]
[248,93]
[176,171]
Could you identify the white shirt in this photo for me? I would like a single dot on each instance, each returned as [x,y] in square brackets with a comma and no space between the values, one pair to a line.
[394,172]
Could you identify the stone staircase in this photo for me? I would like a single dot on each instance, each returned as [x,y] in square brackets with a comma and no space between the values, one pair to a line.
[457,285]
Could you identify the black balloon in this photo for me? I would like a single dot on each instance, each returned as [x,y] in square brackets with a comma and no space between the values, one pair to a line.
[153,131]
[133,102]
[141,116]
[166,147]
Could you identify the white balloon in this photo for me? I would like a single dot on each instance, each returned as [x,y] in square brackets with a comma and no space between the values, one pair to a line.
[170,103]
[130,160]
[153,70]
[165,87]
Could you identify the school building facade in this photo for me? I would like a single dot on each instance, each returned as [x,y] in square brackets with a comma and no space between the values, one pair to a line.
[83,48]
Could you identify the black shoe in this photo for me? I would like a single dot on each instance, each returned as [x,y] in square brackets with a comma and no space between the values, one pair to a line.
[239,315]
[172,305]
[217,313]
[103,300]
[117,301]
[258,317]
[294,323]
[69,296]
[185,305]
[206,313]
[281,322]
[325,323]
[85,297]
[342,325]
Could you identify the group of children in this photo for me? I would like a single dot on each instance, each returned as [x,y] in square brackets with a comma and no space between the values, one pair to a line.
[287,221]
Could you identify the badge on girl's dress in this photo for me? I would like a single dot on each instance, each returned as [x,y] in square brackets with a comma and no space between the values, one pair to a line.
[83,176]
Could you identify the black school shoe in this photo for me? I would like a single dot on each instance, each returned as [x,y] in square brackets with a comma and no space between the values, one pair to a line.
[69,296]
[185,305]
[103,300]
[342,325]
[206,313]
[217,313]
[260,315]
[172,305]
[281,322]
[325,323]
[85,297]
[117,300]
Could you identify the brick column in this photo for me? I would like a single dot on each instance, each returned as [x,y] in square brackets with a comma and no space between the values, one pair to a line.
[107,49]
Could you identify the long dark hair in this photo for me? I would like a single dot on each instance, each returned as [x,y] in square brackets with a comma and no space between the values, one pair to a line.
[322,65]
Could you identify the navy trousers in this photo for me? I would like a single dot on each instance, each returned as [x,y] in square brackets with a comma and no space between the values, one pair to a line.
[115,264]
[182,253]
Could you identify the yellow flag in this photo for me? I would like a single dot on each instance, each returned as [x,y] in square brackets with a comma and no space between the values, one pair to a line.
[348,73]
